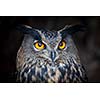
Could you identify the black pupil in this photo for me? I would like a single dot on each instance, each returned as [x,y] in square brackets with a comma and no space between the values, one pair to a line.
[61,44]
[39,44]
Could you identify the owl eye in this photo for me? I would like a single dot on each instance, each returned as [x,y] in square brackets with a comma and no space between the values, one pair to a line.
[62,45]
[39,45]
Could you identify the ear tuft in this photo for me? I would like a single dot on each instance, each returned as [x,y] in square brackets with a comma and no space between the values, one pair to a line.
[72,29]
[29,30]
[24,28]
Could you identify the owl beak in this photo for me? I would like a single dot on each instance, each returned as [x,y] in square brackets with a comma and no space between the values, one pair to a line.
[53,55]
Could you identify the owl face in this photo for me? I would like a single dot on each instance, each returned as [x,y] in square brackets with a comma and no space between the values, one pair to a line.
[51,46]
[49,56]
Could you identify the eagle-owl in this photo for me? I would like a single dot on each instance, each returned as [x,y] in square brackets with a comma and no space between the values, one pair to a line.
[49,56]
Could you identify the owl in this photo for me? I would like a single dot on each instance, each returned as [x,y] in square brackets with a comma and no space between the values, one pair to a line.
[49,56]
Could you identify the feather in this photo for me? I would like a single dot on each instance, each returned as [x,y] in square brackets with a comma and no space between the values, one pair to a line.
[71,29]
[29,30]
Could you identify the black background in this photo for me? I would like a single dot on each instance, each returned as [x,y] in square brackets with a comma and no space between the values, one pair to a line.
[88,43]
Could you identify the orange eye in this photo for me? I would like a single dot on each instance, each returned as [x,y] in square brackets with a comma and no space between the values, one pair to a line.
[39,45]
[62,45]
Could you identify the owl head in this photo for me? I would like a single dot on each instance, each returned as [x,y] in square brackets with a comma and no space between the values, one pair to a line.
[53,51]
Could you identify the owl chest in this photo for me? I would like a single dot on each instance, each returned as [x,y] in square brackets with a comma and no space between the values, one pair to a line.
[44,71]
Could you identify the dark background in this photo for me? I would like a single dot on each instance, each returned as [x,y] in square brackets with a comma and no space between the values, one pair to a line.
[88,43]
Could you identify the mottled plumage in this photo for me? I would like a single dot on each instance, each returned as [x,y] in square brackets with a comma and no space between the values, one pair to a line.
[50,64]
